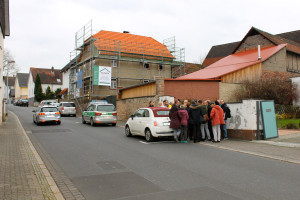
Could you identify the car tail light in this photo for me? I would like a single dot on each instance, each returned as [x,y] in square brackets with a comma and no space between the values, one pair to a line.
[62,108]
[98,114]
[75,108]
[43,103]
[114,114]
[155,123]
[41,113]
[57,113]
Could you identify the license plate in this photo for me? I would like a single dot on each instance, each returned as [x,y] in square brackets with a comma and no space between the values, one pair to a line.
[49,115]
[107,116]
[166,123]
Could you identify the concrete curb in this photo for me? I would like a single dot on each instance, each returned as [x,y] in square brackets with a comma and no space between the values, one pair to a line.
[255,154]
[39,166]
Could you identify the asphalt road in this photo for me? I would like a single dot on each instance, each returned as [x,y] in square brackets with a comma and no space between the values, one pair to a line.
[104,164]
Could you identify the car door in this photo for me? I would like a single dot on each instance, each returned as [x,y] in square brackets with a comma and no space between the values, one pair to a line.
[86,113]
[135,121]
[143,121]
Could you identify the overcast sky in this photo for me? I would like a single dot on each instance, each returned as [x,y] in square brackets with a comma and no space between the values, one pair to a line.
[42,32]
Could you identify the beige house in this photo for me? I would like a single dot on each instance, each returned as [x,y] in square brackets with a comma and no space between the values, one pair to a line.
[21,87]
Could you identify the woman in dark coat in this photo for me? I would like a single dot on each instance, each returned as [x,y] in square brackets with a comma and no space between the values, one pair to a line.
[175,121]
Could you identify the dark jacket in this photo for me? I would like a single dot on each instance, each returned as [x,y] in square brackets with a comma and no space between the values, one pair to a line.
[175,119]
[209,108]
[195,114]
[226,111]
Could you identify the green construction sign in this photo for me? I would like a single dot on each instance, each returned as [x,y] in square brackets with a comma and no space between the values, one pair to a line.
[101,75]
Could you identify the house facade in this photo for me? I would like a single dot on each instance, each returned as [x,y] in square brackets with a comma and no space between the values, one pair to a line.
[21,88]
[49,77]
[4,31]
[133,59]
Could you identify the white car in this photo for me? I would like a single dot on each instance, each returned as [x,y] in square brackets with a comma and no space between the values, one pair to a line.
[151,122]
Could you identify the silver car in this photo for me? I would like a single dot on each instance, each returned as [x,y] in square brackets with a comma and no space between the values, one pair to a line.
[100,114]
[46,114]
[67,108]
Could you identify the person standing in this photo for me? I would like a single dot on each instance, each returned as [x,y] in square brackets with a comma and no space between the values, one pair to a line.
[204,124]
[195,114]
[227,115]
[217,119]
[165,103]
[190,125]
[209,108]
[151,104]
[184,116]
[175,123]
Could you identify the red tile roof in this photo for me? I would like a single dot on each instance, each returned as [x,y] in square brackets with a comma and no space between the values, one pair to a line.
[47,76]
[233,63]
[63,91]
[108,41]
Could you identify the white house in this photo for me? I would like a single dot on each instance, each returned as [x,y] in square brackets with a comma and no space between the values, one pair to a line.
[49,77]
[4,31]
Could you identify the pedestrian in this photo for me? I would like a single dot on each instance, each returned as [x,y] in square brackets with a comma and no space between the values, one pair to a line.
[208,104]
[160,104]
[204,124]
[151,104]
[175,123]
[178,103]
[165,103]
[227,115]
[190,125]
[217,119]
[195,114]
[185,103]
[184,116]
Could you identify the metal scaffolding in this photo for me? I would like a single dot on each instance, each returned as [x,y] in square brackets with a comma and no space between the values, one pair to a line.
[89,49]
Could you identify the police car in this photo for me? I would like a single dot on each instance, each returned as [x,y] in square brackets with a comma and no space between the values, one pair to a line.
[100,113]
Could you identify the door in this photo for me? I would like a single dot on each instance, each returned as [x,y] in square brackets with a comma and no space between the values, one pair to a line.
[143,121]
[135,123]
[269,119]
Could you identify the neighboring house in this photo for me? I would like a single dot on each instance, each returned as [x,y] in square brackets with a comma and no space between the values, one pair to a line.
[218,52]
[133,59]
[187,68]
[49,77]
[4,31]
[11,87]
[21,88]
[223,77]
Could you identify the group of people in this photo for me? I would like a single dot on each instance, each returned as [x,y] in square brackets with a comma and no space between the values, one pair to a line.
[197,120]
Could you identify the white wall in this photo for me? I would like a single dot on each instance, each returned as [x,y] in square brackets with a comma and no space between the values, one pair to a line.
[243,116]
[65,77]
[296,80]
[53,87]
[1,73]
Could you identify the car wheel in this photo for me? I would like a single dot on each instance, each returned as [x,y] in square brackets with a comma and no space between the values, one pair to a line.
[114,124]
[83,121]
[92,122]
[148,135]
[33,120]
[58,123]
[127,131]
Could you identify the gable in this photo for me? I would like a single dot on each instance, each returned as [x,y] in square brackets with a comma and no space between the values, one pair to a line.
[47,76]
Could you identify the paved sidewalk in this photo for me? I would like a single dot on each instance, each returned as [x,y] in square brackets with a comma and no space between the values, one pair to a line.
[285,148]
[23,174]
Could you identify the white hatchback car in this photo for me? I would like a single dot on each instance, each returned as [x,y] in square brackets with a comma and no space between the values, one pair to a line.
[151,122]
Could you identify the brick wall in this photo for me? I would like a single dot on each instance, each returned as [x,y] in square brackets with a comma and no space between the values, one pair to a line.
[251,42]
[186,89]
[277,62]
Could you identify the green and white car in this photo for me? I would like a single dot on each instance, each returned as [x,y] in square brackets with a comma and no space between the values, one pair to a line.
[98,113]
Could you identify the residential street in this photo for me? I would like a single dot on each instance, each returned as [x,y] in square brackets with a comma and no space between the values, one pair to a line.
[104,164]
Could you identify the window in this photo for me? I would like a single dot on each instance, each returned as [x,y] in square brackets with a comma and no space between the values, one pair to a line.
[49,109]
[146,80]
[113,83]
[107,108]
[146,66]
[160,67]
[139,113]
[69,105]
[113,62]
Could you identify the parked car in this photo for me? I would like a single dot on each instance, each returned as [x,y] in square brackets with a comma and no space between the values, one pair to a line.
[46,114]
[47,102]
[67,108]
[97,102]
[17,102]
[100,114]
[54,104]
[152,122]
[23,102]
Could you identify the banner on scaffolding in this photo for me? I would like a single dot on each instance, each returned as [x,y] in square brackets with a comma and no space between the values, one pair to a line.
[101,75]
[79,79]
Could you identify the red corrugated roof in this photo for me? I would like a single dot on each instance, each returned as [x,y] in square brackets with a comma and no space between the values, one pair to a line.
[233,63]
[109,41]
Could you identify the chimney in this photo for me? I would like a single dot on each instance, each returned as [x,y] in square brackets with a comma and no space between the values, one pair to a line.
[258,48]
[126,32]
[52,70]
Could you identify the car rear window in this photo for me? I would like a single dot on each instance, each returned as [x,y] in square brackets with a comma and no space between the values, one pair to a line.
[50,109]
[47,103]
[68,104]
[161,113]
[107,108]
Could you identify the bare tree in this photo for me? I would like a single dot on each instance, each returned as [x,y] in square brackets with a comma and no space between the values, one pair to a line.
[8,61]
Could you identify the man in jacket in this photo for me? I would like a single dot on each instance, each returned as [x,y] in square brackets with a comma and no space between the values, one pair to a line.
[209,108]
[217,118]
[195,115]
[226,115]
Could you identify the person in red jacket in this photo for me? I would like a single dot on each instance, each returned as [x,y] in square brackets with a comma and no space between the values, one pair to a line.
[217,118]
[184,123]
